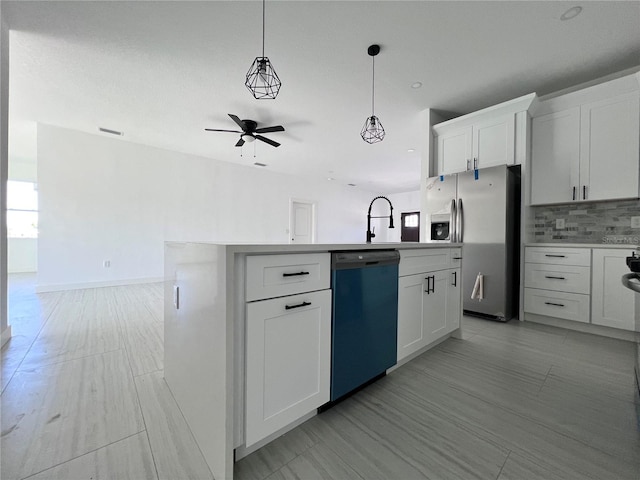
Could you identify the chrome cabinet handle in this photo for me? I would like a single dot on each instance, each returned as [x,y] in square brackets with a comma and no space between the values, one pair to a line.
[468,164]
[475,163]
[303,304]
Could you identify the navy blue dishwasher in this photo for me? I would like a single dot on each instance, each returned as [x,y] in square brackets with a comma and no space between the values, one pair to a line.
[364,317]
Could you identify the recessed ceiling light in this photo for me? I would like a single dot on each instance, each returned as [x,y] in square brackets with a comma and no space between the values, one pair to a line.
[330,178]
[411,150]
[258,164]
[108,130]
[416,85]
[573,12]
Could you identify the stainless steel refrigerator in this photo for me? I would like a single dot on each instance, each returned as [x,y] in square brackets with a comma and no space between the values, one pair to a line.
[481,209]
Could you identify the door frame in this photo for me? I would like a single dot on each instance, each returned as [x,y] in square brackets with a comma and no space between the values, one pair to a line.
[314,226]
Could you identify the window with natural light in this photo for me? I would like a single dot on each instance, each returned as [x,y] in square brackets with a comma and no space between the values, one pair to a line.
[411,220]
[22,209]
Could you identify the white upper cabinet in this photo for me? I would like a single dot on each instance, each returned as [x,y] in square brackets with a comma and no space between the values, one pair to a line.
[494,141]
[555,146]
[454,150]
[588,150]
[609,146]
[482,139]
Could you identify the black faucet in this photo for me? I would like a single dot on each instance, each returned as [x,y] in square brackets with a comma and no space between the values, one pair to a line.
[370,234]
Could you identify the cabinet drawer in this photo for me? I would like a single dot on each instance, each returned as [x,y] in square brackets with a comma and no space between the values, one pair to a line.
[570,306]
[270,276]
[561,278]
[423,260]
[456,257]
[558,256]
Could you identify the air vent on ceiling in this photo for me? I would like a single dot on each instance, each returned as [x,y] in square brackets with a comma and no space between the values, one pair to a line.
[258,164]
[351,184]
[112,132]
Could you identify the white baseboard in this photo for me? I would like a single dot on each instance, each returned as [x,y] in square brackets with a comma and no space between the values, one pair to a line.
[581,327]
[5,335]
[42,288]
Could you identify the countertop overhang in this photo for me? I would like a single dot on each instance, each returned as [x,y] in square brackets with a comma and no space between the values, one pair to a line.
[272,248]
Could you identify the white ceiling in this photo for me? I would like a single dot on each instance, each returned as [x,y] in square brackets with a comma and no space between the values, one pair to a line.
[161,72]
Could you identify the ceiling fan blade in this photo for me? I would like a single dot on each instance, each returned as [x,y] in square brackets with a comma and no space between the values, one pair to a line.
[217,130]
[240,143]
[278,128]
[238,121]
[267,140]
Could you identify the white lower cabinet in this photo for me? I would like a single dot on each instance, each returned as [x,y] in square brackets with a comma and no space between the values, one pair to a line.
[611,305]
[428,309]
[288,361]
[579,284]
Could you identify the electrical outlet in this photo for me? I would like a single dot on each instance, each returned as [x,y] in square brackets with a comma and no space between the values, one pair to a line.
[106,263]
[635,222]
[559,223]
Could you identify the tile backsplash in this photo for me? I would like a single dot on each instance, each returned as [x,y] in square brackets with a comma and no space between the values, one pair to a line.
[597,222]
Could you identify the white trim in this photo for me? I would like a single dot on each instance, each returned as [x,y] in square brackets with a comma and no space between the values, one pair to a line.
[5,335]
[107,283]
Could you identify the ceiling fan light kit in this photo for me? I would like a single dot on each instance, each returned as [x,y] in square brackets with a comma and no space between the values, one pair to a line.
[262,80]
[250,132]
[373,131]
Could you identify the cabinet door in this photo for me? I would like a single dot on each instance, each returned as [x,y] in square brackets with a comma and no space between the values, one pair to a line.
[411,337]
[612,305]
[454,151]
[435,305]
[555,157]
[454,300]
[609,161]
[288,360]
[494,142]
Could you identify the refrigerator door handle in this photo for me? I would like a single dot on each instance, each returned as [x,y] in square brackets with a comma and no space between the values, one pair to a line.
[454,218]
[460,222]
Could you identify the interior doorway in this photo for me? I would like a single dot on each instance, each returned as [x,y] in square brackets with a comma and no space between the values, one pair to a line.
[302,221]
[410,227]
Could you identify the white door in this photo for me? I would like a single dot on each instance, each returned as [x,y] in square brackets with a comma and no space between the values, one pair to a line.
[302,222]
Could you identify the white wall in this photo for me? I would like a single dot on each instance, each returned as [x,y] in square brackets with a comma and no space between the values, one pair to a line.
[108,199]
[402,202]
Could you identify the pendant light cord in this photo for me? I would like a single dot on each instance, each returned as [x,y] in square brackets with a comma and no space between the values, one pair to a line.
[373,85]
[263,9]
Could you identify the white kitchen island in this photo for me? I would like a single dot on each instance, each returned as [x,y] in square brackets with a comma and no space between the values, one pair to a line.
[206,295]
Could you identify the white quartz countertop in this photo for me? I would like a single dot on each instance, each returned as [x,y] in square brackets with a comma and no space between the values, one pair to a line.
[249,248]
[627,246]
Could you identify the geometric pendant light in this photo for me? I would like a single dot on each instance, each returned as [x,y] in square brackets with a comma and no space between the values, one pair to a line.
[373,132]
[262,80]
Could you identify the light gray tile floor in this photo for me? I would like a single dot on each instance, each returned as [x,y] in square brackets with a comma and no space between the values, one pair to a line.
[83,397]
